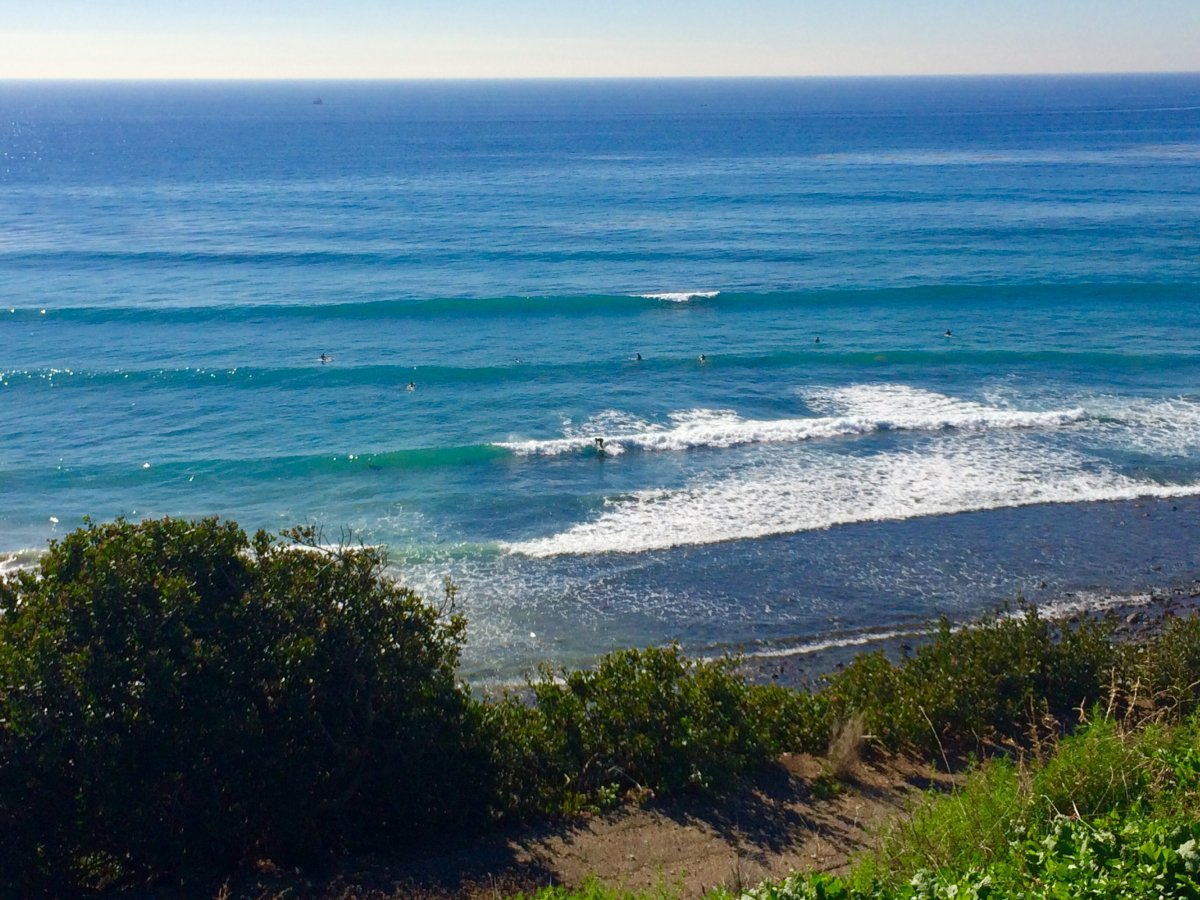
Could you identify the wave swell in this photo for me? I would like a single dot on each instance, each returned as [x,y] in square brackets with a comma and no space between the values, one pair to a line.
[941,296]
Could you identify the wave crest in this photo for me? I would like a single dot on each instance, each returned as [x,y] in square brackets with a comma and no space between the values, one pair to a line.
[680,296]
[852,412]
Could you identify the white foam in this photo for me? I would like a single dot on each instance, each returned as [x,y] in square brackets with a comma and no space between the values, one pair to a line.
[17,560]
[680,296]
[865,410]
[578,438]
[1088,602]
[1161,428]
[806,490]
[860,639]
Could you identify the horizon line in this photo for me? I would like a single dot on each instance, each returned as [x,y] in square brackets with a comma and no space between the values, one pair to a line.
[134,79]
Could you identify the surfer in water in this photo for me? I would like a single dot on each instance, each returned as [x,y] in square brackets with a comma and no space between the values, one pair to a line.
[599,446]
[817,340]
[412,386]
[702,359]
[325,357]
[948,333]
[637,357]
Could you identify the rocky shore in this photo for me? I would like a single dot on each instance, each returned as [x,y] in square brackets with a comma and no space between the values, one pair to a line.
[1136,616]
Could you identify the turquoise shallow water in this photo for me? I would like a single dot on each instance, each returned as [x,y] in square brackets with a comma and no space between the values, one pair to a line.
[174,259]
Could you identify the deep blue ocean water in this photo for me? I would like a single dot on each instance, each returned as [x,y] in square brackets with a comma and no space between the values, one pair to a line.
[1003,274]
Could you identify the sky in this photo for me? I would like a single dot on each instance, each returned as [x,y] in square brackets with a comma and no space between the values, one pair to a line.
[603,38]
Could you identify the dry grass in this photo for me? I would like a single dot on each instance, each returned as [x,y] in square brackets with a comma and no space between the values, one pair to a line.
[846,747]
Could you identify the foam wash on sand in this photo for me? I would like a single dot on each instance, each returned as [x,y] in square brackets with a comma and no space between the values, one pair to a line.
[857,352]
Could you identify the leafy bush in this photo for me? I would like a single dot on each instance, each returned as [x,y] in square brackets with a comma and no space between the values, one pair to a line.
[174,695]
[790,720]
[971,685]
[641,720]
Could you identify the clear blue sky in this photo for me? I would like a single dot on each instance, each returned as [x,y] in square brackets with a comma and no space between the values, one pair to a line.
[553,38]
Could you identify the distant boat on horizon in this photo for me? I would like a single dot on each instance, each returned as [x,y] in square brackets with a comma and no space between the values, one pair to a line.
[318,102]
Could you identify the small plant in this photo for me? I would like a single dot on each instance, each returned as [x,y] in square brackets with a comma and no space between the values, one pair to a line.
[1169,667]
[826,786]
[594,889]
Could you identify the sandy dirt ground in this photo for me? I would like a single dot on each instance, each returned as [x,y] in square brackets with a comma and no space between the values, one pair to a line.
[785,819]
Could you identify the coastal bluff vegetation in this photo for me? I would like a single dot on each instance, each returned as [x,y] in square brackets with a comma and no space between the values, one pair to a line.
[180,700]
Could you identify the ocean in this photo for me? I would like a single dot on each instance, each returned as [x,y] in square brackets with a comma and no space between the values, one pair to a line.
[751,365]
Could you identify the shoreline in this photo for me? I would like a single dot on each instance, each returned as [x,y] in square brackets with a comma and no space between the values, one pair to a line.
[1139,615]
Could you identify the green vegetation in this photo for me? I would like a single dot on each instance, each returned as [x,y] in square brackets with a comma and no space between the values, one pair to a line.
[173,696]
[643,722]
[967,688]
[177,696]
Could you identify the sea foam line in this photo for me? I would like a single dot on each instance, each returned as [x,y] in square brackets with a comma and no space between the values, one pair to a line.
[860,639]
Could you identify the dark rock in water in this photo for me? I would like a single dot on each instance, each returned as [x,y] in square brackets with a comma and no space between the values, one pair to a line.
[1133,618]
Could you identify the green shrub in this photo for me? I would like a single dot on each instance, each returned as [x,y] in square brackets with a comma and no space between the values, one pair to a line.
[529,768]
[789,720]
[643,719]
[969,686]
[872,687]
[173,695]
[176,695]
[1175,783]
